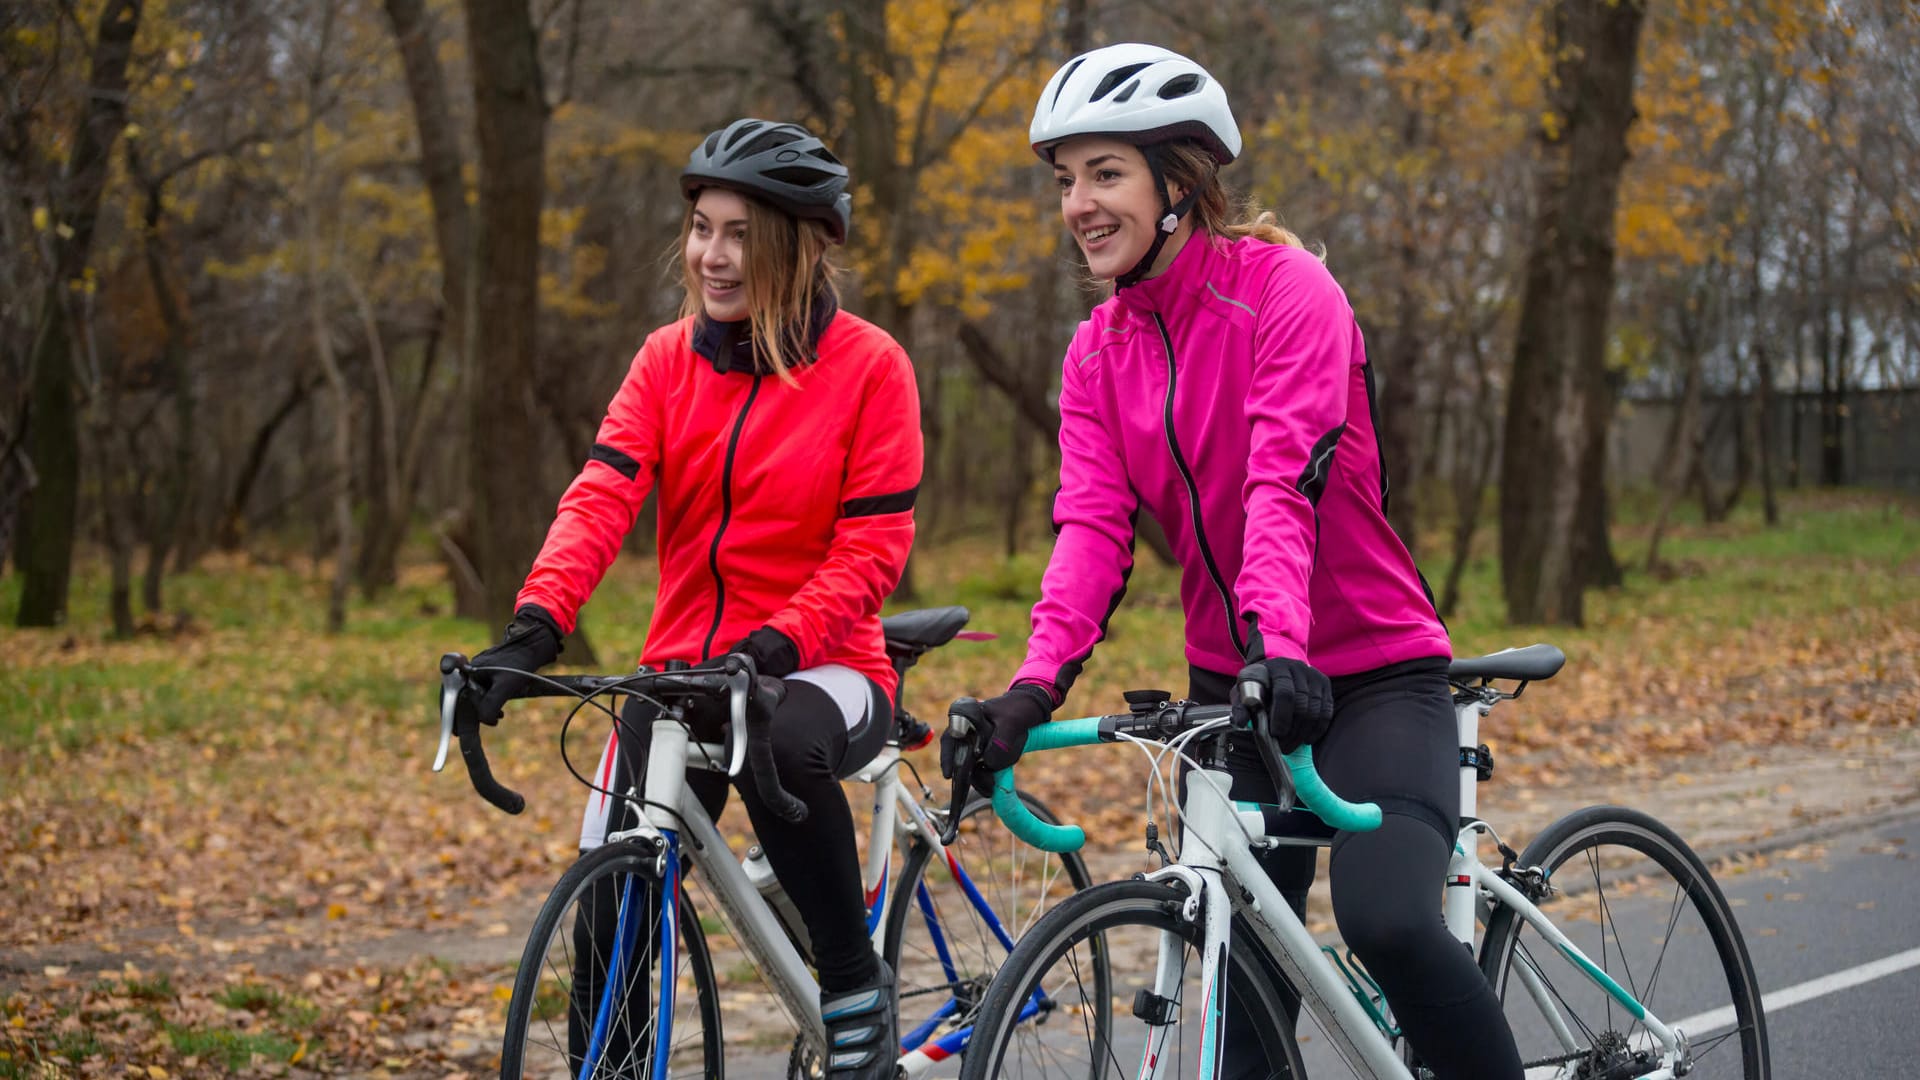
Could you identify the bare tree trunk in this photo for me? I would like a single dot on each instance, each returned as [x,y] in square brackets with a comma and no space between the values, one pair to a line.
[53,426]
[1019,486]
[1473,469]
[1597,566]
[116,497]
[1469,500]
[1560,350]
[17,478]
[232,530]
[394,461]
[342,446]
[442,163]
[1763,410]
[1680,446]
[176,488]
[511,118]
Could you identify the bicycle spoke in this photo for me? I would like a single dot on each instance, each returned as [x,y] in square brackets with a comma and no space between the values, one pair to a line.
[1674,911]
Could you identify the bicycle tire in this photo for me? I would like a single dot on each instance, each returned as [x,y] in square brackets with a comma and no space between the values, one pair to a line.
[1586,854]
[1126,919]
[999,864]
[565,930]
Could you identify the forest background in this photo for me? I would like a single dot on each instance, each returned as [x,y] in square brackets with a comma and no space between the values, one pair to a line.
[309,309]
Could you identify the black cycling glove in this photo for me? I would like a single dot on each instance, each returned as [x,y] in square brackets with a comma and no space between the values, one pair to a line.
[773,653]
[1299,700]
[532,642]
[1002,724]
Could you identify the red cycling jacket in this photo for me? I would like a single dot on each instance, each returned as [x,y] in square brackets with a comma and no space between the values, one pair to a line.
[781,505]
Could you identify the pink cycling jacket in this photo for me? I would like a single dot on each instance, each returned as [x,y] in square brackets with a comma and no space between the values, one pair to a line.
[1230,397]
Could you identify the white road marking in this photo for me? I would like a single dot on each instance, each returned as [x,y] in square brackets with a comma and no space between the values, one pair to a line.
[1778,1000]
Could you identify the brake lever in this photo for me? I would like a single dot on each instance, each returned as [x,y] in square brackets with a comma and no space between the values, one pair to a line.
[958,724]
[453,680]
[1254,697]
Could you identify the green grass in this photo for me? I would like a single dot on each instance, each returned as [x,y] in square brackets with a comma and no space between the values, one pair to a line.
[76,1046]
[156,990]
[267,1001]
[234,1049]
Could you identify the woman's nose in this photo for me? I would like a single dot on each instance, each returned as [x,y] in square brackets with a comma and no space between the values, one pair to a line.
[1073,203]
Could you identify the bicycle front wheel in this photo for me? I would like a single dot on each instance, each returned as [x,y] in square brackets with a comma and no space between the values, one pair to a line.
[1631,895]
[586,998]
[955,914]
[1050,1014]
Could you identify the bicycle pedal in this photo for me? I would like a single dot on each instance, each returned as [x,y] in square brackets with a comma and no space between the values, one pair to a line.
[1152,1008]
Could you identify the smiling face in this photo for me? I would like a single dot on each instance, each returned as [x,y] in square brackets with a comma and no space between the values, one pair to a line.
[716,253]
[1109,204]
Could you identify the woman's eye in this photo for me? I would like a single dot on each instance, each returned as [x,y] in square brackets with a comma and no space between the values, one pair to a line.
[1064,183]
[1105,175]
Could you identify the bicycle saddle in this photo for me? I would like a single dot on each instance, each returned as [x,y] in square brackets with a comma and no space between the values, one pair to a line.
[926,628]
[1530,663]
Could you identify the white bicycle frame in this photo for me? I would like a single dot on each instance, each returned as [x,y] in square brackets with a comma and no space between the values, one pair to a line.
[897,816]
[1218,845]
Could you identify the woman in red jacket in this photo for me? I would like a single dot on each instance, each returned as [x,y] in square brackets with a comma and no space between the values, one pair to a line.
[782,436]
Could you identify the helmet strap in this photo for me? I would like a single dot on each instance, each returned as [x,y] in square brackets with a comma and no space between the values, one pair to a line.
[1169,221]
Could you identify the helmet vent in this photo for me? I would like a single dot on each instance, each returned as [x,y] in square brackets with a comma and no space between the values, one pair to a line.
[767,140]
[1127,94]
[1114,79]
[1060,83]
[1180,86]
[742,131]
[797,175]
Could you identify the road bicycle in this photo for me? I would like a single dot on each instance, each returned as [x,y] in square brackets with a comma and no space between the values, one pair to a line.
[591,997]
[1613,951]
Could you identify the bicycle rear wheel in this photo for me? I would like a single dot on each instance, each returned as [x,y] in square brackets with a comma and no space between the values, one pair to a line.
[1052,1013]
[943,948]
[1642,906]
[584,999]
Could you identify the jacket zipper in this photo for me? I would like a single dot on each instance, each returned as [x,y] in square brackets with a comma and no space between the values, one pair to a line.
[726,514]
[1193,496]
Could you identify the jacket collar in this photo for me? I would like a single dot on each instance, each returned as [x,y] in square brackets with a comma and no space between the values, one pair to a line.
[1188,269]
[730,347]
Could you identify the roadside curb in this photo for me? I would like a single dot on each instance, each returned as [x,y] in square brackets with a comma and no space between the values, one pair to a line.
[1907,809]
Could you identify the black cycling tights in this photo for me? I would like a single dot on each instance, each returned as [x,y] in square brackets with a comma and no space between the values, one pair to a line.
[815,860]
[1394,742]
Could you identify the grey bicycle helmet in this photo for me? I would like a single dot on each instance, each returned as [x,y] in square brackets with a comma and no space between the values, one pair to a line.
[784,164]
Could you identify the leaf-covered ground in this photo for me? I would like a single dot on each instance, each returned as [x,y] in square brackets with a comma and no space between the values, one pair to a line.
[224,852]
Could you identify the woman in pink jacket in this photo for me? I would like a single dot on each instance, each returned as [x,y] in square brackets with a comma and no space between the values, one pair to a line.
[1224,389]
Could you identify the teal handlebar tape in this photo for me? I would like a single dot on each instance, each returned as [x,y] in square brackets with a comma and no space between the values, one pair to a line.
[1061,734]
[1314,793]
[1055,838]
[1319,798]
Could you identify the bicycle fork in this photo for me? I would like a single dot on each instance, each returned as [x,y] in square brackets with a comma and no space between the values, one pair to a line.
[1207,904]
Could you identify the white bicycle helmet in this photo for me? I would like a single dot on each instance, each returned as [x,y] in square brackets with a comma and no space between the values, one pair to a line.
[1143,94]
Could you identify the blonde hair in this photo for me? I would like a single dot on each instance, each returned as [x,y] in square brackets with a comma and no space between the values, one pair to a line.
[786,268]
[1216,211]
